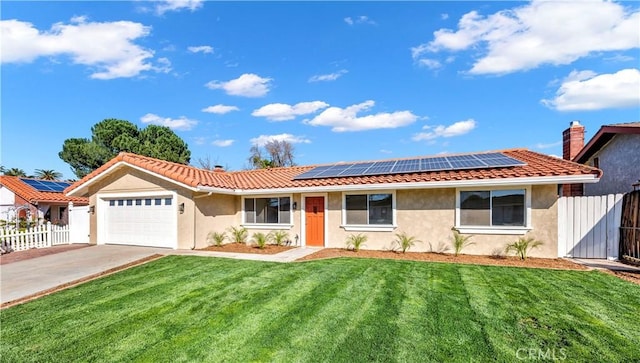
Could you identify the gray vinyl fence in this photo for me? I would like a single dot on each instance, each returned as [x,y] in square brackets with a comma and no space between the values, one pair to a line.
[589,227]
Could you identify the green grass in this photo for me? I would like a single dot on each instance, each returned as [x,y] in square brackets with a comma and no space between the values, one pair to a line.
[184,309]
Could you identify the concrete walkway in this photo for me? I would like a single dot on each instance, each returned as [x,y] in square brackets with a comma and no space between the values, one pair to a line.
[607,265]
[24,278]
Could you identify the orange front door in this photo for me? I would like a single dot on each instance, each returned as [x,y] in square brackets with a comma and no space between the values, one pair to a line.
[314,217]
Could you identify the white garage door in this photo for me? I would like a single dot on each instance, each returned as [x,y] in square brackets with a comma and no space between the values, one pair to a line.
[142,221]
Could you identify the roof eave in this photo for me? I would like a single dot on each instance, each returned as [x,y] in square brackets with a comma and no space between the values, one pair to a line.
[82,189]
[544,180]
[601,138]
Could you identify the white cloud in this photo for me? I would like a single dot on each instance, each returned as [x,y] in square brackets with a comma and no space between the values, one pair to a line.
[264,139]
[247,85]
[181,123]
[583,91]
[347,119]
[164,6]
[328,77]
[444,16]
[200,140]
[283,112]
[362,19]
[222,143]
[430,63]
[201,49]
[108,48]
[220,109]
[455,129]
[541,32]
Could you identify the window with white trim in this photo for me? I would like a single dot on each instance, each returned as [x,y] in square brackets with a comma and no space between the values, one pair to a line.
[493,208]
[274,210]
[369,209]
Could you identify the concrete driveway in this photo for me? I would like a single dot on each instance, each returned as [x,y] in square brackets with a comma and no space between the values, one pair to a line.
[24,278]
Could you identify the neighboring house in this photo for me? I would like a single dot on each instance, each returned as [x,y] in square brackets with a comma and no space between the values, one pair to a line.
[615,149]
[139,200]
[42,200]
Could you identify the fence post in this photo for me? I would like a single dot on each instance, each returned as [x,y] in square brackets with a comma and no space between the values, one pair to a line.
[48,235]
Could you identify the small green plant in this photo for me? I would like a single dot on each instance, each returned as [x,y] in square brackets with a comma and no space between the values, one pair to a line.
[405,241]
[216,238]
[460,242]
[522,246]
[280,237]
[261,239]
[355,241]
[238,234]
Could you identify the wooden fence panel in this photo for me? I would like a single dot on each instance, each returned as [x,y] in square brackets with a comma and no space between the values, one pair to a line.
[630,227]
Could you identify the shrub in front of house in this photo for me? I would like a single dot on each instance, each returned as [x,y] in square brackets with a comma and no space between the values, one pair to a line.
[459,242]
[216,238]
[405,241]
[356,241]
[261,239]
[238,234]
[522,246]
[280,237]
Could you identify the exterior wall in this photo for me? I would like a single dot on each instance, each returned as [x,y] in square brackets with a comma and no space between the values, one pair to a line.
[619,160]
[128,180]
[429,215]
[7,202]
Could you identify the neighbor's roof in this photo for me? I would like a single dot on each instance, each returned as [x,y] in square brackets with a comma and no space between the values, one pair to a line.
[28,193]
[603,136]
[537,166]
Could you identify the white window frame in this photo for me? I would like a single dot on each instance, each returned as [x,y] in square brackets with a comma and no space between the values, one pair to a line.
[514,230]
[273,226]
[369,227]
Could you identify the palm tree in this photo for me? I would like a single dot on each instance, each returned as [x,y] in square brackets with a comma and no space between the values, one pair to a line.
[15,172]
[48,174]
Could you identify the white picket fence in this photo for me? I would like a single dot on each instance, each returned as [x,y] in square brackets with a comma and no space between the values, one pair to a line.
[38,237]
[589,227]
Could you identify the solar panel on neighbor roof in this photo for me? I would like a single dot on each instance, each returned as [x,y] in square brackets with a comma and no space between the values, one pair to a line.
[436,163]
[46,185]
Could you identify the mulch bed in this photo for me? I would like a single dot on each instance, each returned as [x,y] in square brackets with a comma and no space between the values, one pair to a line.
[244,248]
[37,252]
[625,275]
[552,263]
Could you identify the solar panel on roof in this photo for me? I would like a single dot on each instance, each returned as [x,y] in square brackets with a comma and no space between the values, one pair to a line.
[406,166]
[436,163]
[46,185]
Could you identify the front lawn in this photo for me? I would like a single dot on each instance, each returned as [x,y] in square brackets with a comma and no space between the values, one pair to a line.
[183,308]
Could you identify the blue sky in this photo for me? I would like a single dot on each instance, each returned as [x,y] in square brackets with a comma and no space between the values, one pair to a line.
[341,81]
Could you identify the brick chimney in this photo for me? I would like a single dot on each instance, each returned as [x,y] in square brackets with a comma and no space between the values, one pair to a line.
[218,168]
[572,140]
[572,143]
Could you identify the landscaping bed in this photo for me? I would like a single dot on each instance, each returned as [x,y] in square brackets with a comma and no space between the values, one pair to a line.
[245,248]
[553,263]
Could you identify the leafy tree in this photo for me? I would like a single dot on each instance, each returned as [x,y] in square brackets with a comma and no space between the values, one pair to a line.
[273,154]
[15,172]
[112,136]
[48,174]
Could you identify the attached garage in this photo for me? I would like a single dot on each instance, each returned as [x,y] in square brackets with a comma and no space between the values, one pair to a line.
[138,219]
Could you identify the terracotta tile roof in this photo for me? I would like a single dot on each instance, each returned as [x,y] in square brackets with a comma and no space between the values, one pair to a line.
[30,194]
[537,165]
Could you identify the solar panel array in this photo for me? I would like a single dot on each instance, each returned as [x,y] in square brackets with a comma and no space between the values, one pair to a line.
[453,162]
[46,185]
